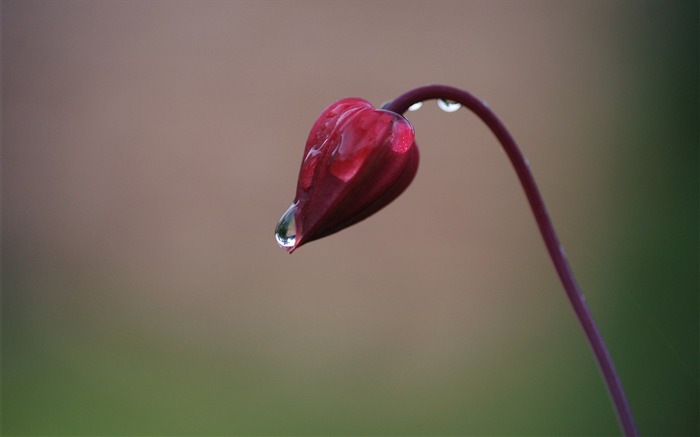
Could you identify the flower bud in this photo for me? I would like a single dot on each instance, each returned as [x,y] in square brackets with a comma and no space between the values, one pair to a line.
[356,161]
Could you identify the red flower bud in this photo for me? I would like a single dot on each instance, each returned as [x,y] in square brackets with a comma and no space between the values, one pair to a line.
[356,161]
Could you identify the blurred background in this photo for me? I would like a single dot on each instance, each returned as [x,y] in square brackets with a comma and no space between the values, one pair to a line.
[150,147]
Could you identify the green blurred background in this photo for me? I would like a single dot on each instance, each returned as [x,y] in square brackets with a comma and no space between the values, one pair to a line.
[150,147]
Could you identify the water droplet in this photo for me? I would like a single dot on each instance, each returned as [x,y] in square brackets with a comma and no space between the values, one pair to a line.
[415,106]
[448,105]
[286,230]
[362,135]
[308,167]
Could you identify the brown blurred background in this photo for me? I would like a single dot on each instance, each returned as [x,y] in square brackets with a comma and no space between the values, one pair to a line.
[150,147]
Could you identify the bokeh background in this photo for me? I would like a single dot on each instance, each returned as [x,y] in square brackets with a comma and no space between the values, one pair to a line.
[150,147]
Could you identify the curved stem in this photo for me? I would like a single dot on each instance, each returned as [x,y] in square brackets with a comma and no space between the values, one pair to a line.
[556,251]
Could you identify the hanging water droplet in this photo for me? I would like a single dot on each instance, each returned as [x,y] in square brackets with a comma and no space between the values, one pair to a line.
[448,105]
[415,106]
[286,230]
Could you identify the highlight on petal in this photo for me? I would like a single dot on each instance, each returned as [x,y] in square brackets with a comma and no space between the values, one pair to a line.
[357,160]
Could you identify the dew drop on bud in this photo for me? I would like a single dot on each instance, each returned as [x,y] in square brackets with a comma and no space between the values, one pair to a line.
[415,106]
[308,167]
[448,105]
[286,230]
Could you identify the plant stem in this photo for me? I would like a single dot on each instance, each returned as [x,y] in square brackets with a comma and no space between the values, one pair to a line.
[555,249]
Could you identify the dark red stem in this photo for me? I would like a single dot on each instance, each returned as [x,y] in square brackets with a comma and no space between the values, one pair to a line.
[556,251]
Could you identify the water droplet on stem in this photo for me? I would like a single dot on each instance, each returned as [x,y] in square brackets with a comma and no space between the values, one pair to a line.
[448,105]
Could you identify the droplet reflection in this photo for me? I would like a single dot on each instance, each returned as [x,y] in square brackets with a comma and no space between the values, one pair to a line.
[448,105]
[286,230]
